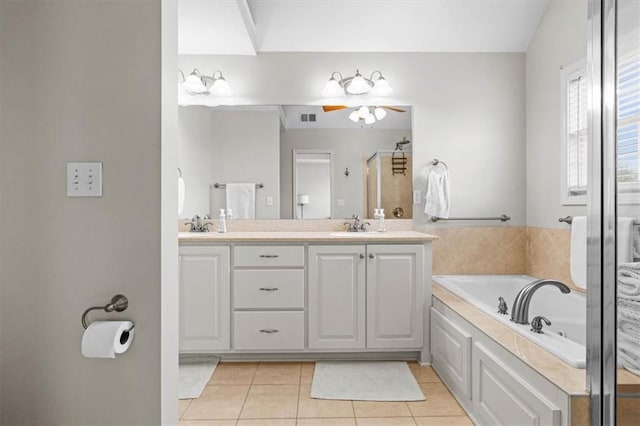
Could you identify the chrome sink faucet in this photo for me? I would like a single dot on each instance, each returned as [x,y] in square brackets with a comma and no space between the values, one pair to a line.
[199,224]
[357,225]
[520,308]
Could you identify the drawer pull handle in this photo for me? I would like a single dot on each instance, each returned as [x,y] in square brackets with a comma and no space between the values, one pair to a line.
[269,330]
[268,256]
[268,288]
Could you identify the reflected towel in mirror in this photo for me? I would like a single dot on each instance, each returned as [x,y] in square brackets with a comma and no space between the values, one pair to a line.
[241,198]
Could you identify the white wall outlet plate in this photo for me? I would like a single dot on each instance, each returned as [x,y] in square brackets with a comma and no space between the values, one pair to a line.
[84,179]
[416,197]
[269,201]
[340,202]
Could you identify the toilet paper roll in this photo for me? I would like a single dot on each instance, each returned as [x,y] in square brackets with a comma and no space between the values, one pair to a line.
[105,339]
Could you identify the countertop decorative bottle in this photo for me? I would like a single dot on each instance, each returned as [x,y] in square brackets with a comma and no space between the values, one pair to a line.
[222,222]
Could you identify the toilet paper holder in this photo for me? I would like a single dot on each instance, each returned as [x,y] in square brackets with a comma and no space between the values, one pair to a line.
[118,303]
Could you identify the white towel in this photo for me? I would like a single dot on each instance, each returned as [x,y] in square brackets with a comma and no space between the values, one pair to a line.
[437,199]
[241,198]
[181,194]
[578,258]
[626,227]
[629,354]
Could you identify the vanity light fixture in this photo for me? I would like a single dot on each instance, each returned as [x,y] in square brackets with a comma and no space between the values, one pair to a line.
[375,85]
[369,114]
[198,84]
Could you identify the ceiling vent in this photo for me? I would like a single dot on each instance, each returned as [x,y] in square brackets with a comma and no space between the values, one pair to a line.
[308,118]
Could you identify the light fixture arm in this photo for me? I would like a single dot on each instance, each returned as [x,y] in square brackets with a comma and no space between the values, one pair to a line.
[374,73]
[182,74]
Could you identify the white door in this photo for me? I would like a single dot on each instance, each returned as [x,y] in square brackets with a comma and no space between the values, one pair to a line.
[205,319]
[395,296]
[336,297]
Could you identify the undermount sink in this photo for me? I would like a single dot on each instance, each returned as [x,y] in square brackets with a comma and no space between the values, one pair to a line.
[354,234]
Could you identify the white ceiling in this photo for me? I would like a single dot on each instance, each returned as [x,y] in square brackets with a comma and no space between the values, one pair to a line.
[247,27]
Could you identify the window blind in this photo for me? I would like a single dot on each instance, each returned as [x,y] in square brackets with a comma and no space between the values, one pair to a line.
[628,140]
[577,132]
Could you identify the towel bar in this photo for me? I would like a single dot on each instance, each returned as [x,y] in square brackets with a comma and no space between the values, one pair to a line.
[118,303]
[502,218]
[224,185]
[569,220]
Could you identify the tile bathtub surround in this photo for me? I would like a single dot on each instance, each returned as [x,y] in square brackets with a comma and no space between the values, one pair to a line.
[548,252]
[278,394]
[478,250]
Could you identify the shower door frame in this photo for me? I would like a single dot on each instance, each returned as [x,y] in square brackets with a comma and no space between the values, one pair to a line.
[602,213]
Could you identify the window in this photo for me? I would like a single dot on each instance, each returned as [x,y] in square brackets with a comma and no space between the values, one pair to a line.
[575,133]
[628,126]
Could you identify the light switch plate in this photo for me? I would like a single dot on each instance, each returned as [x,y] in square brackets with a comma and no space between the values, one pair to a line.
[416,197]
[84,179]
[340,202]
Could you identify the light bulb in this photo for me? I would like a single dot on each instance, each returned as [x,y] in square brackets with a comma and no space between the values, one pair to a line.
[194,84]
[370,119]
[381,87]
[332,89]
[354,116]
[221,87]
[363,112]
[380,113]
[358,85]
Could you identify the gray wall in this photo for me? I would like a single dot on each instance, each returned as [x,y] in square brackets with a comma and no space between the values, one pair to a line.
[468,110]
[228,146]
[79,81]
[561,39]
[351,147]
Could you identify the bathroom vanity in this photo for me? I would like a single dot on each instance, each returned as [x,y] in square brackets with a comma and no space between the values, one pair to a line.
[305,294]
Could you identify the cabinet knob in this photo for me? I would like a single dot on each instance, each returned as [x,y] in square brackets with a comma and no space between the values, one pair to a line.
[371,255]
[361,256]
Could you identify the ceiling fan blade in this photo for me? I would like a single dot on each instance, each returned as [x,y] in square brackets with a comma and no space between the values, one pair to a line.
[393,108]
[329,108]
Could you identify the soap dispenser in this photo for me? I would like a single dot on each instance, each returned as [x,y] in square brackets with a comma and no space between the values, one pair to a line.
[222,222]
[381,226]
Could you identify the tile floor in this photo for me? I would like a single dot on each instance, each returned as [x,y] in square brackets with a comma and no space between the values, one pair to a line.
[277,394]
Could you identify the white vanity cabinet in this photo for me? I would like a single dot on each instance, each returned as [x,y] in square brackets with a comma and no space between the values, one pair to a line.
[204,306]
[366,296]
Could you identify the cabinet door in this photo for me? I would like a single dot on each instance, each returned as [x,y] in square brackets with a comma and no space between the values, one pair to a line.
[336,297]
[395,296]
[205,319]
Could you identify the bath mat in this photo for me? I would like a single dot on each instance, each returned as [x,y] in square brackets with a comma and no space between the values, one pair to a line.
[365,381]
[194,374]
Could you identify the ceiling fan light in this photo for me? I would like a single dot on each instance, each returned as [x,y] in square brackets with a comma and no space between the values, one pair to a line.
[194,84]
[370,119]
[380,113]
[354,116]
[381,87]
[363,111]
[358,86]
[332,89]
[220,87]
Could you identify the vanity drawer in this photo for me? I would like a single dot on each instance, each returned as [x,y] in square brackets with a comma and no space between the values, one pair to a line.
[269,256]
[268,288]
[268,330]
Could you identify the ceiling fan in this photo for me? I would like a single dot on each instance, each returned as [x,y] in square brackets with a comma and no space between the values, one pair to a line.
[364,113]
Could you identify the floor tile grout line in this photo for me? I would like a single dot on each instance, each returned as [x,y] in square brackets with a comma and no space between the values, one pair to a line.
[247,394]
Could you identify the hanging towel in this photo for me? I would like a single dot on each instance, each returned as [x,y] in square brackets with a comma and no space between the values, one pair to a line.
[578,257]
[626,228]
[181,194]
[241,198]
[437,199]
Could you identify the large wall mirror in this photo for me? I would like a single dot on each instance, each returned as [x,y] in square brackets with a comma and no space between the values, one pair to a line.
[302,162]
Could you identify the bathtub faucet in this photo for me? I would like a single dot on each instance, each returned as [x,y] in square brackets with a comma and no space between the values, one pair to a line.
[520,308]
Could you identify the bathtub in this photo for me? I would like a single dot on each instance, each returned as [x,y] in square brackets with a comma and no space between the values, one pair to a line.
[565,337]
